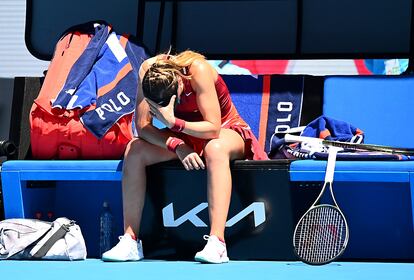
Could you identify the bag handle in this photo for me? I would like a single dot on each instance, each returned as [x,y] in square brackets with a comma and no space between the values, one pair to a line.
[60,233]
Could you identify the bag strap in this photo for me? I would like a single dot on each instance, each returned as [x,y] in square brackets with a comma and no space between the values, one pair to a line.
[60,233]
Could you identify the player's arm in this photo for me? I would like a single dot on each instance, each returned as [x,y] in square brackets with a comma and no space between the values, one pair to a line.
[143,118]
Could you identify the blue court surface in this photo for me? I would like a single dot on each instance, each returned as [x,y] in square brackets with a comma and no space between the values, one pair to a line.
[240,270]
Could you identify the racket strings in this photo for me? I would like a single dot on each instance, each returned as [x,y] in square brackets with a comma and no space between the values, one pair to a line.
[321,235]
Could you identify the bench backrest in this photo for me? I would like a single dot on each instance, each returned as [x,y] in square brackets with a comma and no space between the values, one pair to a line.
[381,106]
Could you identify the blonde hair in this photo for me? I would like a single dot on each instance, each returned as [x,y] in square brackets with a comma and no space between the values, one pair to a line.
[160,81]
[186,58]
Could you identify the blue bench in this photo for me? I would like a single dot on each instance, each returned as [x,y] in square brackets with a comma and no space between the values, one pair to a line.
[376,196]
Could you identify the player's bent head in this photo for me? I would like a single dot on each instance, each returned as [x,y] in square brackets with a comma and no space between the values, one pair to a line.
[159,84]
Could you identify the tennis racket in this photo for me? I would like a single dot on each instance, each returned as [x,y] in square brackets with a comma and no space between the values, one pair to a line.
[351,146]
[322,233]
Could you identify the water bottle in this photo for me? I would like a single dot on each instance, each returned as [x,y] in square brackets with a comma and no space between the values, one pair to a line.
[105,227]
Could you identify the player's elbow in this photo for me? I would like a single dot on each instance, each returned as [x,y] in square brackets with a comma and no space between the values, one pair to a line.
[215,132]
[142,129]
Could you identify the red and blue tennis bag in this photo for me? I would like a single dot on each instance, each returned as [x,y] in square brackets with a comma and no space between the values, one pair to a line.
[86,104]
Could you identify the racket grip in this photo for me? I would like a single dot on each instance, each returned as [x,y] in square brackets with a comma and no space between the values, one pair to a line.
[330,166]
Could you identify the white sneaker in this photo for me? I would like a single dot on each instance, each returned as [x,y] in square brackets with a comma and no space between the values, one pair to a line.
[214,252]
[127,249]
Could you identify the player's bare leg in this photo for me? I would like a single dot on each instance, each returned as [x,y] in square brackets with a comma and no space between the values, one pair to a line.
[218,153]
[138,155]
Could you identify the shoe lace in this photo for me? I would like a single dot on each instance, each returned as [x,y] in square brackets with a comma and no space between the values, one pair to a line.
[206,237]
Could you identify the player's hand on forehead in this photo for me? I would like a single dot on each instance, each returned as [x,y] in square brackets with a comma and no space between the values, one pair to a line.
[162,113]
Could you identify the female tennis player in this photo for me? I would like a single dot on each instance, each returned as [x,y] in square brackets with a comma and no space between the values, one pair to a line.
[203,130]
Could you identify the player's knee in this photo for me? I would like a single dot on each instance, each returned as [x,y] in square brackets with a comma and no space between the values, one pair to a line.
[134,152]
[215,151]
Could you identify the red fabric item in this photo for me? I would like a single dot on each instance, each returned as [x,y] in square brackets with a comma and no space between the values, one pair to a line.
[60,134]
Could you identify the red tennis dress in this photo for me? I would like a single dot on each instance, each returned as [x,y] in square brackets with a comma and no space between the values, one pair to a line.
[188,110]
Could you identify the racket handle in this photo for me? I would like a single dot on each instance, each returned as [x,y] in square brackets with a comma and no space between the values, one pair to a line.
[330,166]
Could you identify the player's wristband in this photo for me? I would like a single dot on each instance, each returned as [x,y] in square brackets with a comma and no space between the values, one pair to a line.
[179,125]
[173,143]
